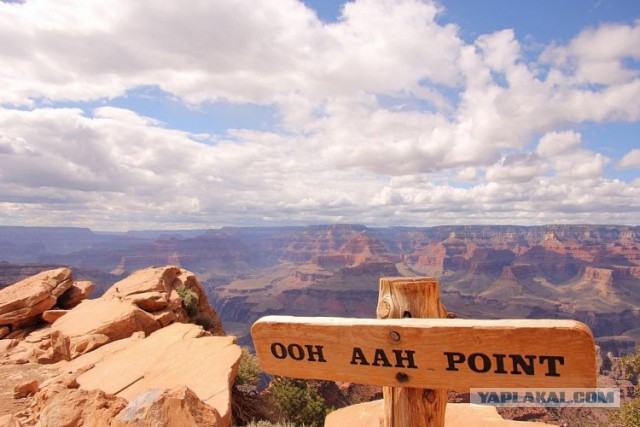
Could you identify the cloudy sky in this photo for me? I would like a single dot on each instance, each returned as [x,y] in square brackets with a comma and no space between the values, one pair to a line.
[155,114]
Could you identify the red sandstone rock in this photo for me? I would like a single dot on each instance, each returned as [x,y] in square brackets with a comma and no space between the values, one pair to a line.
[57,405]
[9,421]
[51,316]
[25,389]
[106,336]
[23,302]
[176,407]
[145,301]
[73,296]
[457,415]
[150,301]
[95,323]
[155,288]
[178,355]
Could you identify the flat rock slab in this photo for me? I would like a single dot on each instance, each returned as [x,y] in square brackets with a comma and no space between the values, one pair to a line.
[177,355]
[50,316]
[176,407]
[371,414]
[95,323]
[32,296]
[77,293]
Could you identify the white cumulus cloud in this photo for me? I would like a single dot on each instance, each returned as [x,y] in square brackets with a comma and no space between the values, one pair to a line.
[384,116]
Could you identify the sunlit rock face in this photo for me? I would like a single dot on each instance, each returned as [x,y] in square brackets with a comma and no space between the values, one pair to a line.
[130,357]
[585,272]
[559,271]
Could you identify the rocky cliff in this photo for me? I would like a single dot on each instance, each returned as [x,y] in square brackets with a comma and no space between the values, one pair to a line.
[561,271]
[134,356]
[586,272]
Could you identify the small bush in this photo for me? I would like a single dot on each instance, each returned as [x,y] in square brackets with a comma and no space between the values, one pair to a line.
[249,369]
[189,300]
[631,364]
[629,413]
[297,402]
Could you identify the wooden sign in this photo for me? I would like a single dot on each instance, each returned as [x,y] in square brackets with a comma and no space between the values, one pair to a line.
[455,354]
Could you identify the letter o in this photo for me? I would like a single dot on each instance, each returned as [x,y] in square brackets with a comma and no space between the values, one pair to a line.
[298,349]
[486,362]
[278,350]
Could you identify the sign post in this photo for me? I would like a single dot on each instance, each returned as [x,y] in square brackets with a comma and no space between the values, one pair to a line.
[417,360]
[412,298]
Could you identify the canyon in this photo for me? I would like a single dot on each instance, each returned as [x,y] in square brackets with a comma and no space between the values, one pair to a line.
[590,273]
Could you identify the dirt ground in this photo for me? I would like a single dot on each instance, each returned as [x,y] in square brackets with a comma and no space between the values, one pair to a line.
[13,375]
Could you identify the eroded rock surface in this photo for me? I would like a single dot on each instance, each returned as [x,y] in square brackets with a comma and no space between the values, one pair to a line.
[23,302]
[176,407]
[146,301]
[456,415]
[127,358]
[78,292]
[180,354]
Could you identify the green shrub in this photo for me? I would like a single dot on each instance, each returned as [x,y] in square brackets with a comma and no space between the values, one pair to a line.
[297,402]
[631,364]
[629,413]
[249,369]
[189,300]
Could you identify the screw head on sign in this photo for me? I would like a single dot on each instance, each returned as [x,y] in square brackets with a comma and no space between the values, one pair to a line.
[394,336]
[401,377]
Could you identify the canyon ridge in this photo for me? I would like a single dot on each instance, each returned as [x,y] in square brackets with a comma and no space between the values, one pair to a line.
[590,273]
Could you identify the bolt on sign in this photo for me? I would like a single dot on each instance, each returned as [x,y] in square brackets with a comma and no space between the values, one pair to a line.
[454,354]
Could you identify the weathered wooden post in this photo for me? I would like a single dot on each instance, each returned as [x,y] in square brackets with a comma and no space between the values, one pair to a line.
[405,405]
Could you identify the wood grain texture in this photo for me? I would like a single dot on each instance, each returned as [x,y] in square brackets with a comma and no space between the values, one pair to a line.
[429,339]
[414,298]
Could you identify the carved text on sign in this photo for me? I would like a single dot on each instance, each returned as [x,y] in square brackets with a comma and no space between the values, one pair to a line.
[435,353]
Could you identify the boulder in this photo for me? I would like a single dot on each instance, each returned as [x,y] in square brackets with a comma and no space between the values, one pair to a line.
[157,288]
[9,420]
[24,301]
[150,301]
[28,347]
[456,415]
[133,343]
[177,355]
[97,322]
[145,301]
[73,296]
[25,389]
[51,316]
[57,405]
[176,407]
[361,415]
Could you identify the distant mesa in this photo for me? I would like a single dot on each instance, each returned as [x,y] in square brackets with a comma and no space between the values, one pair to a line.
[590,272]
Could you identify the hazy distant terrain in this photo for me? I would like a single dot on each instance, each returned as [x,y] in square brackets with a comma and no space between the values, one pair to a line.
[586,272]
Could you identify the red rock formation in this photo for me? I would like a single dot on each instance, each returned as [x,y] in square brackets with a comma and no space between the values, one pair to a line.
[124,373]
[176,407]
[22,303]
[145,301]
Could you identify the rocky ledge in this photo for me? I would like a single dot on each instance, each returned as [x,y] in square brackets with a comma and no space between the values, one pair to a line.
[150,351]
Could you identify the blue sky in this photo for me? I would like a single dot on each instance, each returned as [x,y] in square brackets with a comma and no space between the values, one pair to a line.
[160,114]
